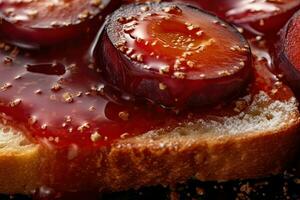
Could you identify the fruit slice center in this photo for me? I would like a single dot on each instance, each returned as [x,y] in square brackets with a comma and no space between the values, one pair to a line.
[182,41]
[173,54]
[171,41]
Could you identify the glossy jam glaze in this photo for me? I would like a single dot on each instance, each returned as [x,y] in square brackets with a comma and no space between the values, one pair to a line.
[56,95]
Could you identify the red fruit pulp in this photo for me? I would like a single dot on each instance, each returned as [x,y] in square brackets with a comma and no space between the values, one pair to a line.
[167,48]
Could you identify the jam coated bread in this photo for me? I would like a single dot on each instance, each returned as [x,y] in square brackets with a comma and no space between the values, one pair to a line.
[260,141]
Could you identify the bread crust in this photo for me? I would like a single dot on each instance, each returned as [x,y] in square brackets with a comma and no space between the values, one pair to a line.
[228,158]
[129,164]
[158,157]
[151,160]
[19,171]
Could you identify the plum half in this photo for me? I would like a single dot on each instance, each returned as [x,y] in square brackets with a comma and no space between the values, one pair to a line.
[173,54]
[38,23]
[288,52]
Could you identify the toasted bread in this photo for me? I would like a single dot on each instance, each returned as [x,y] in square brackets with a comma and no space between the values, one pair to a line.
[259,141]
[258,137]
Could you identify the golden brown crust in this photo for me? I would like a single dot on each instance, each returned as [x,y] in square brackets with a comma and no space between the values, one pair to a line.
[158,157]
[225,159]
[132,164]
[19,171]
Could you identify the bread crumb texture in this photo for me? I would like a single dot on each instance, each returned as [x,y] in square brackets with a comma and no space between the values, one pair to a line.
[12,140]
[262,114]
[258,117]
[259,140]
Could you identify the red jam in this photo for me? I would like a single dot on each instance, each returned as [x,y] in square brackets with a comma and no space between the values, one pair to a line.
[57,95]
[59,98]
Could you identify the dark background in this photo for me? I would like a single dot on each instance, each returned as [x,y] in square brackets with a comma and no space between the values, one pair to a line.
[284,186]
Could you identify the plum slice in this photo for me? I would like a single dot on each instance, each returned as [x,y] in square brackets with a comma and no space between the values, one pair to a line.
[44,22]
[264,16]
[288,51]
[256,16]
[173,55]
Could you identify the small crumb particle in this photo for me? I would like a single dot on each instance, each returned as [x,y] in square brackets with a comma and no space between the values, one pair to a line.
[124,115]
[200,191]
[162,86]
[67,97]
[83,127]
[95,137]
[124,135]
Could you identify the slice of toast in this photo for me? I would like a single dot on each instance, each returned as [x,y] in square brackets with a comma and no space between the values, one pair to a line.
[257,137]
[259,140]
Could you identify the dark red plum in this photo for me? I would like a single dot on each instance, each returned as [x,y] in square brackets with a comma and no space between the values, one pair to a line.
[261,15]
[288,52]
[257,16]
[32,24]
[173,54]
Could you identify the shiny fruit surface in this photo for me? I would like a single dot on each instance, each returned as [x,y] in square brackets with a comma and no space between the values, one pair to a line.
[32,24]
[174,55]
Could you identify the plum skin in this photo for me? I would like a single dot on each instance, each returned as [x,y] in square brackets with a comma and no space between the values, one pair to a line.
[130,76]
[282,60]
[148,86]
[33,38]
[38,37]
